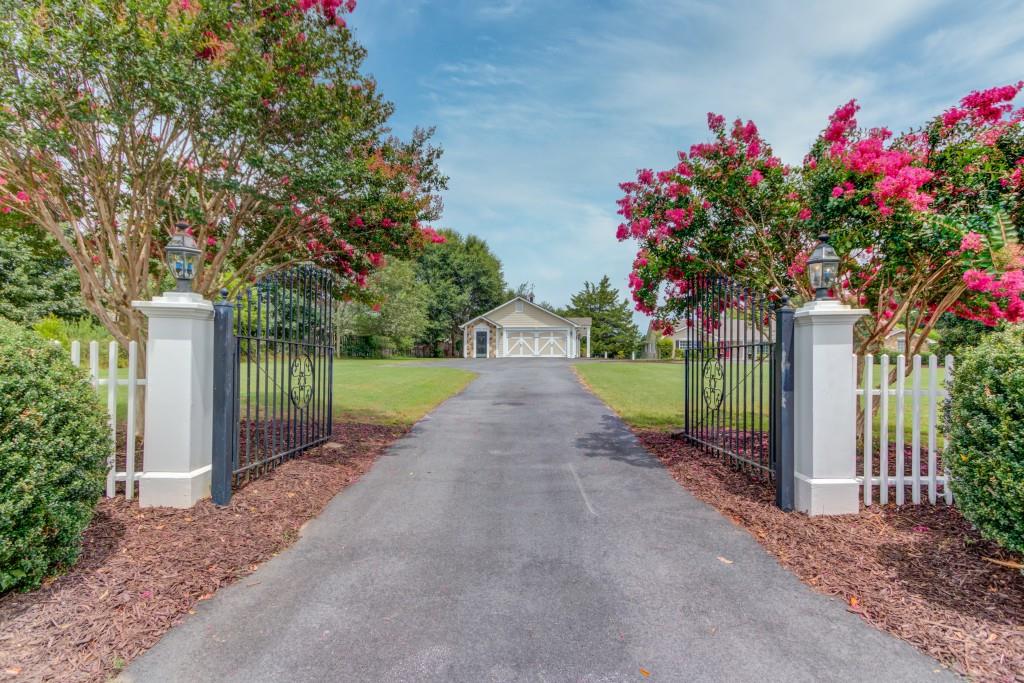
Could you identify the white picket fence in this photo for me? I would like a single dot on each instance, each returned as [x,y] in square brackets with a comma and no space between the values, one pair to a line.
[924,391]
[129,475]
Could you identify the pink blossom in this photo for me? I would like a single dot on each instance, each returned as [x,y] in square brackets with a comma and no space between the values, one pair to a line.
[645,176]
[837,191]
[754,178]
[953,116]
[716,122]
[841,121]
[972,241]
[804,214]
[977,280]
[22,196]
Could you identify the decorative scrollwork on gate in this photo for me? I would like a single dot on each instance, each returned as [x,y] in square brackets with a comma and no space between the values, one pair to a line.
[302,381]
[713,383]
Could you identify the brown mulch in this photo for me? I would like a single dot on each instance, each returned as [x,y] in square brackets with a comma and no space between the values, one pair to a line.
[142,570]
[918,572]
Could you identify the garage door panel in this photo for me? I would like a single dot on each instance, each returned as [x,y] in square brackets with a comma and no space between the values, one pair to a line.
[521,344]
[551,344]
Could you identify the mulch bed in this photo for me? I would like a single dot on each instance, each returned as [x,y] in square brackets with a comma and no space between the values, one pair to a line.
[142,570]
[918,572]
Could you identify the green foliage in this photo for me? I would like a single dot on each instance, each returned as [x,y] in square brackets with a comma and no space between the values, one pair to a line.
[54,442]
[399,314]
[84,330]
[250,120]
[665,345]
[613,330]
[958,334]
[36,276]
[464,279]
[986,453]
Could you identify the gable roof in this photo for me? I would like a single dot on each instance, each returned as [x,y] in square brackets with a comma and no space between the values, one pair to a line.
[527,302]
[479,317]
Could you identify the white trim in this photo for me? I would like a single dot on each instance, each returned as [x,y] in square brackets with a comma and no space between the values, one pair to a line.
[479,317]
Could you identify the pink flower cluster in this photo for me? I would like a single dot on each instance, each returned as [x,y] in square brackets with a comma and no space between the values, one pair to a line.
[841,122]
[900,176]
[1005,292]
[331,9]
[432,235]
[972,241]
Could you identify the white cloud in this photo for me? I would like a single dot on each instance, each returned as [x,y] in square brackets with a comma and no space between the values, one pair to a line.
[540,122]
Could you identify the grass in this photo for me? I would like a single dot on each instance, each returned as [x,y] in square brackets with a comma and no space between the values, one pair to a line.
[650,395]
[646,395]
[393,392]
[389,392]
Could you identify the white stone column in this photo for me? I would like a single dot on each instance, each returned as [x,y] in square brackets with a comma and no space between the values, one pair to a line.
[179,400]
[588,342]
[825,408]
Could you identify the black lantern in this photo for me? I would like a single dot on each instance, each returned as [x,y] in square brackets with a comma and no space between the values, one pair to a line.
[822,267]
[182,257]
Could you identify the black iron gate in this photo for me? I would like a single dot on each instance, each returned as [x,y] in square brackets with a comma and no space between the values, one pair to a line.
[738,383]
[273,363]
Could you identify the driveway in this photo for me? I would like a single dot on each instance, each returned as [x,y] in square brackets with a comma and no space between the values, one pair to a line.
[520,533]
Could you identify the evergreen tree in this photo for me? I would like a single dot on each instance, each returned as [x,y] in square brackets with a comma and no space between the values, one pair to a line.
[613,330]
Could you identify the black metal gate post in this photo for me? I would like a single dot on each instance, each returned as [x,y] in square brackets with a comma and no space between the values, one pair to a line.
[782,410]
[224,415]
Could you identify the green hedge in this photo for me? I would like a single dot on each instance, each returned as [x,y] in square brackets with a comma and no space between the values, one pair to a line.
[54,442]
[985,422]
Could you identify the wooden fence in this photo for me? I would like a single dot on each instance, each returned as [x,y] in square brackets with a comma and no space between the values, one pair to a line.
[111,382]
[905,403]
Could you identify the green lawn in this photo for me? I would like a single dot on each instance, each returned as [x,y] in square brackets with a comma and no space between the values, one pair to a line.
[381,391]
[650,395]
[393,392]
[644,394]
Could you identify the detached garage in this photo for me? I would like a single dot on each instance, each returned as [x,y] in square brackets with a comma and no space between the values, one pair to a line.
[521,329]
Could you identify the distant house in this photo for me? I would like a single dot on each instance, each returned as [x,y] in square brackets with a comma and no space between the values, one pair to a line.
[737,336]
[897,341]
[520,328]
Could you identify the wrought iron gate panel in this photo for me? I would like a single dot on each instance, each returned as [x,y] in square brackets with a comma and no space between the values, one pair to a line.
[732,399]
[280,388]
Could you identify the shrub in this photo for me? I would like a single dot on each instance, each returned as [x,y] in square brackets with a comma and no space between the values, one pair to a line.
[985,422]
[83,330]
[54,442]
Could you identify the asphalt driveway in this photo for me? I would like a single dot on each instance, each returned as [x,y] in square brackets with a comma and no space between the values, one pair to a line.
[520,533]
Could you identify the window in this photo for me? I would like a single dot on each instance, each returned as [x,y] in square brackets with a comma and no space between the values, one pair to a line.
[519,307]
[901,345]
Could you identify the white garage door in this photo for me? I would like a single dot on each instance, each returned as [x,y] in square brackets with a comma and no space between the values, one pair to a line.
[552,344]
[521,344]
[543,343]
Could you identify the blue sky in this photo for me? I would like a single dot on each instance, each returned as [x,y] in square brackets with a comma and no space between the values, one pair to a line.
[544,106]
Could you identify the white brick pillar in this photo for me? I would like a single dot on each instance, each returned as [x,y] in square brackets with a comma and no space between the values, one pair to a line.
[825,408]
[179,400]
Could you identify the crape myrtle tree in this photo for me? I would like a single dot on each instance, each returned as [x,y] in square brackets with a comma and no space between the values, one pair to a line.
[248,119]
[612,328]
[926,222]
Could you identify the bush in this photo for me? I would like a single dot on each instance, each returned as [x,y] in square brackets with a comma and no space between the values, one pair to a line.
[54,441]
[985,422]
[83,330]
